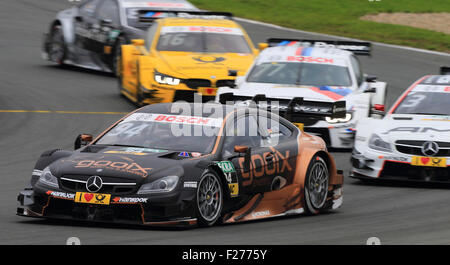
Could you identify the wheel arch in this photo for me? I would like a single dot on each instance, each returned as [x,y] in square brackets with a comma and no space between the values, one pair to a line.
[219,172]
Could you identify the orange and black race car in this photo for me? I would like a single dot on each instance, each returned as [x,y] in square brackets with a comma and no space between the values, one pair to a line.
[162,165]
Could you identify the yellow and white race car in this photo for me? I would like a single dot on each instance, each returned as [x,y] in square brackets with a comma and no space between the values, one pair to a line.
[185,56]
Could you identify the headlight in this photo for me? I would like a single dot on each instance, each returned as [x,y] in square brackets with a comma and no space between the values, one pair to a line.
[165,184]
[48,179]
[377,143]
[348,117]
[166,80]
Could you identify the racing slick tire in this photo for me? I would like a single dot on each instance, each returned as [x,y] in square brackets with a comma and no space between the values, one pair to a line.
[57,49]
[316,186]
[209,199]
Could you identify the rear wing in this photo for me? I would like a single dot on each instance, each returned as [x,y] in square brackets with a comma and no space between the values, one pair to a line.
[358,48]
[291,109]
[445,70]
[148,15]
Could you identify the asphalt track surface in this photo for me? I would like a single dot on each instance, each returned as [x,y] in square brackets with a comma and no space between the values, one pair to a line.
[395,213]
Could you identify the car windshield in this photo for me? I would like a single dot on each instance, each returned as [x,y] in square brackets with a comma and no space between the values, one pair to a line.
[168,132]
[425,103]
[209,42]
[310,74]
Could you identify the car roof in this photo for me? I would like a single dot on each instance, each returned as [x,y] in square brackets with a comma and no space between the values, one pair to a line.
[159,4]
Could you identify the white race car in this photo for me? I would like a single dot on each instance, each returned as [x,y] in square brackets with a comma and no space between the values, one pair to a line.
[326,71]
[413,141]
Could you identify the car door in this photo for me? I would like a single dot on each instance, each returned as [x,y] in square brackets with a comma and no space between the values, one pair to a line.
[243,131]
[84,22]
[280,152]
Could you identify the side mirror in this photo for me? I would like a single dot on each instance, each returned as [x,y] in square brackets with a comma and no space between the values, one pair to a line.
[82,140]
[247,151]
[370,90]
[232,72]
[371,79]
[105,22]
[263,46]
[138,42]
[79,19]
[241,149]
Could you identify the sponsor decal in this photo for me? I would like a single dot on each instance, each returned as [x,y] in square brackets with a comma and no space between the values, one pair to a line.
[234,189]
[187,29]
[93,198]
[395,158]
[196,154]
[190,184]
[416,130]
[261,213]
[431,89]
[184,154]
[135,151]
[429,161]
[309,59]
[209,59]
[258,167]
[174,119]
[129,200]
[133,168]
[226,166]
[61,195]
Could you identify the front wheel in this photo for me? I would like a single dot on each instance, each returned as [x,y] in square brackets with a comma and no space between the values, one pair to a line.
[316,185]
[57,47]
[209,200]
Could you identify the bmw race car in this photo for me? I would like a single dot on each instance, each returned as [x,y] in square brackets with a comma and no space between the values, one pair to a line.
[315,70]
[90,34]
[160,165]
[181,57]
[413,141]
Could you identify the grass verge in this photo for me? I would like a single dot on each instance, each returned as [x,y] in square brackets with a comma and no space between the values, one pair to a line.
[341,17]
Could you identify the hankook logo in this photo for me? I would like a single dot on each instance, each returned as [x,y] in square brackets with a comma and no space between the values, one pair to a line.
[94,184]
[430,148]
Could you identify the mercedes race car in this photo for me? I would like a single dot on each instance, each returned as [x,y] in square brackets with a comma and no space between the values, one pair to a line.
[185,56]
[412,142]
[90,34]
[315,70]
[160,165]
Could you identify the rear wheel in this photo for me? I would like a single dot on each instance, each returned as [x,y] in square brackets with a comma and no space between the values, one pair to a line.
[209,200]
[57,47]
[316,185]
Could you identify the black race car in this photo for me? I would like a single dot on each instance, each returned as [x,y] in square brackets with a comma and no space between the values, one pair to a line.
[90,34]
[162,165]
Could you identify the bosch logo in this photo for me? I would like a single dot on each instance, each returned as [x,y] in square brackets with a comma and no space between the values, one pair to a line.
[94,184]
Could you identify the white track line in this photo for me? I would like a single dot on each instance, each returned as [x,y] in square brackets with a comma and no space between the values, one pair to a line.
[343,38]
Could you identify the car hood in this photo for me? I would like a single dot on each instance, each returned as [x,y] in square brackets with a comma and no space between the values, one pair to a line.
[415,127]
[314,93]
[207,66]
[128,164]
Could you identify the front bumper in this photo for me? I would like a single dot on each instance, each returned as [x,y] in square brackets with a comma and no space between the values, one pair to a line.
[377,165]
[172,210]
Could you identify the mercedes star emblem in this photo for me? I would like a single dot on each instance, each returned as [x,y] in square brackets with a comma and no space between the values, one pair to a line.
[430,148]
[94,184]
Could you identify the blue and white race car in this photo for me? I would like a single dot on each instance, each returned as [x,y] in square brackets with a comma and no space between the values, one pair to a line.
[413,141]
[317,71]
